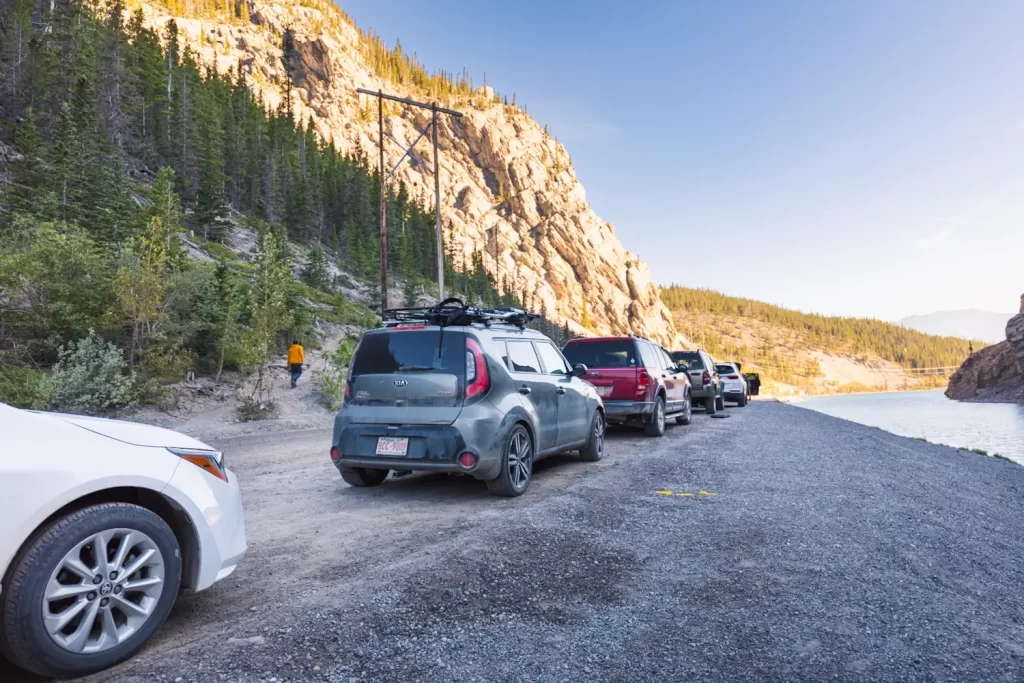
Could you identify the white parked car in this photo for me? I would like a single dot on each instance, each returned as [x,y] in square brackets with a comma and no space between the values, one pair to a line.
[101,524]
[734,384]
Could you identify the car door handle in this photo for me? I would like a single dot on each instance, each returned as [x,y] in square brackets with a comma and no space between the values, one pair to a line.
[561,391]
[524,390]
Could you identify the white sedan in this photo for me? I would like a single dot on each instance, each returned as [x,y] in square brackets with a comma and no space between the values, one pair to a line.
[103,522]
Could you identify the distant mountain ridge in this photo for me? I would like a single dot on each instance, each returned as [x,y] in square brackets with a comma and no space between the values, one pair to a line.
[969,323]
[803,352]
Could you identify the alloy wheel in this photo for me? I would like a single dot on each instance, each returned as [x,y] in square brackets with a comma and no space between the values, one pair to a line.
[103,591]
[519,460]
[599,434]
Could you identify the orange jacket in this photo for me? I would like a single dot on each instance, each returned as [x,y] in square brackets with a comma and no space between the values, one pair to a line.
[296,356]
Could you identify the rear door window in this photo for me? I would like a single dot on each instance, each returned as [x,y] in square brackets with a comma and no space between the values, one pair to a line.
[522,357]
[691,358]
[649,356]
[554,364]
[602,354]
[412,352]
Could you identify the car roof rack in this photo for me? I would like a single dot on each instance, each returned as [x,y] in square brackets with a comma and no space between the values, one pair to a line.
[453,311]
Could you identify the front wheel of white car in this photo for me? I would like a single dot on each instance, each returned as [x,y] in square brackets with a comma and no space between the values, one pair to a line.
[89,590]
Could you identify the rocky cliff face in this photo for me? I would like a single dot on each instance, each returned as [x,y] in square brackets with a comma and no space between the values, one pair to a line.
[996,373]
[509,190]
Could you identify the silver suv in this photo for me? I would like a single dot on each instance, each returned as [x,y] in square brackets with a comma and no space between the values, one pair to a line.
[457,389]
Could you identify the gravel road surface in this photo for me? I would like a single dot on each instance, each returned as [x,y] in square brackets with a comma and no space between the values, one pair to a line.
[777,545]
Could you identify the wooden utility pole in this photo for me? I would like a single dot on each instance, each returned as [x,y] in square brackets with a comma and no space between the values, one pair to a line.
[383,210]
[437,210]
[432,126]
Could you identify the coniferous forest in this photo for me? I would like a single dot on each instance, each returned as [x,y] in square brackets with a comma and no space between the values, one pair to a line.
[900,345]
[120,156]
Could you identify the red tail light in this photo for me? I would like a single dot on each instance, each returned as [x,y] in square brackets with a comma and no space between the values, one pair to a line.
[478,381]
[734,376]
[706,379]
[643,382]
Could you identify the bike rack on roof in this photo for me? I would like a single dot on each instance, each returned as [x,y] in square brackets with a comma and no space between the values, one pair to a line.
[453,311]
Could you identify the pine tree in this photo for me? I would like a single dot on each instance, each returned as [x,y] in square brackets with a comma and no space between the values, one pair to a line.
[315,271]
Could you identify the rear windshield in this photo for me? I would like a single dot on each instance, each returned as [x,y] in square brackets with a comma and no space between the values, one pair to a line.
[691,358]
[411,351]
[601,354]
[725,369]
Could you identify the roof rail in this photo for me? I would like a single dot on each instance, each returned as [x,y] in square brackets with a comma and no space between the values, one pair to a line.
[453,311]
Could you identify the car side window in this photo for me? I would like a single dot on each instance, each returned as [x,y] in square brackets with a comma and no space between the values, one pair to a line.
[522,357]
[645,355]
[553,361]
[666,360]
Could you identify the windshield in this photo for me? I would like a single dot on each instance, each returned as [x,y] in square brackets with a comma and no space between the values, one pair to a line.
[412,351]
[601,354]
[691,358]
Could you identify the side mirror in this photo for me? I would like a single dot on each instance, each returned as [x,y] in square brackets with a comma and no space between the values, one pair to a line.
[579,370]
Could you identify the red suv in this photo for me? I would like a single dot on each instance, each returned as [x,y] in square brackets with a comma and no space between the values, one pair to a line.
[637,379]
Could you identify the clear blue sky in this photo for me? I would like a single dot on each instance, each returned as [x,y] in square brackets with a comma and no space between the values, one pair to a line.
[853,158]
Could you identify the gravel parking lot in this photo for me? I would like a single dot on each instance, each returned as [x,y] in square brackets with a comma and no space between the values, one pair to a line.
[777,545]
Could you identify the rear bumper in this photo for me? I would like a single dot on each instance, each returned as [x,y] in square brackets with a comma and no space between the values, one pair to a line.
[626,408]
[706,391]
[734,393]
[432,448]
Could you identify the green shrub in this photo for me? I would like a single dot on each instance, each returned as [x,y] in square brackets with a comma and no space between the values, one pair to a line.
[22,387]
[335,375]
[90,377]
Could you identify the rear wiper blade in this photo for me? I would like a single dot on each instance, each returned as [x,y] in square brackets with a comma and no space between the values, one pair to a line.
[416,368]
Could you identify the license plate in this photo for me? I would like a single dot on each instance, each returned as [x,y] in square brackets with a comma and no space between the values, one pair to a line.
[392,445]
[604,391]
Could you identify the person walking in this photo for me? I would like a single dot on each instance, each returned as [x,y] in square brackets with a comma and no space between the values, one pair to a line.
[296,357]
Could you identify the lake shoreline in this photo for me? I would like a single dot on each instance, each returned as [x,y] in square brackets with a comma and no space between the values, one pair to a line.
[993,428]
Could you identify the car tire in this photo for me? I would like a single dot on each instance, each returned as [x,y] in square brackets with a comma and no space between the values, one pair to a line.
[656,422]
[742,402]
[364,476]
[687,416]
[43,568]
[516,464]
[720,402]
[709,405]
[594,450]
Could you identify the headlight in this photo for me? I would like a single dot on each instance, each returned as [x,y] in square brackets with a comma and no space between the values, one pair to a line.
[211,461]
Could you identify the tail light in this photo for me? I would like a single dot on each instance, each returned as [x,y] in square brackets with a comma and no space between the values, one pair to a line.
[478,381]
[643,382]
[706,379]
[734,376]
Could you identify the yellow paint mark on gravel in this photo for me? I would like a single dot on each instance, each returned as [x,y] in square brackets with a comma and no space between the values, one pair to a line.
[706,493]
[685,495]
[664,493]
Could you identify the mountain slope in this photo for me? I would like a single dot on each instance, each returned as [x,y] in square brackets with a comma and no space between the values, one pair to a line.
[509,191]
[966,324]
[812,353]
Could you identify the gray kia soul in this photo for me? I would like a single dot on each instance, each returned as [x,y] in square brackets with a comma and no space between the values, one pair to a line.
[457,389]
